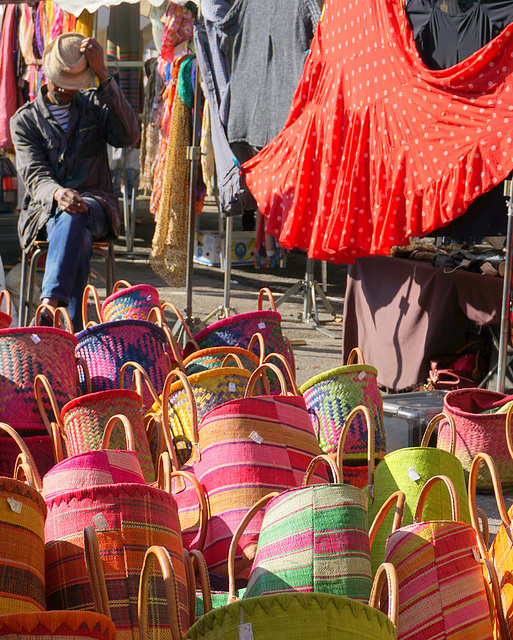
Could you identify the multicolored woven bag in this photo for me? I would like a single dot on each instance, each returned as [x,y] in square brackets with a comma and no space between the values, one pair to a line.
[207,359]
[22,548]
[478,432]
[127,302]
[128,519]
[442,593]
[106,347]
[238,330]
[314,538]
[408,470]
[247,448]
[330,397]
[61,625]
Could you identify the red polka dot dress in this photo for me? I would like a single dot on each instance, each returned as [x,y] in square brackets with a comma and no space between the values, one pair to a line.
[378,148]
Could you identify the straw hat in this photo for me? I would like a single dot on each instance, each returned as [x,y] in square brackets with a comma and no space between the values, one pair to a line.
[64,64]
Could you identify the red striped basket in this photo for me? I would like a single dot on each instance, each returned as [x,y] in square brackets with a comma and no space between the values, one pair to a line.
[61,625]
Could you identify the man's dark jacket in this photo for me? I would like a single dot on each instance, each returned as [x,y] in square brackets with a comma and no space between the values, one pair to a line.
[48,157]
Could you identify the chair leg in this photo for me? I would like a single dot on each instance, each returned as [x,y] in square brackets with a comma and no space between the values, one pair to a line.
[32,279]
[22,311]
[111,269]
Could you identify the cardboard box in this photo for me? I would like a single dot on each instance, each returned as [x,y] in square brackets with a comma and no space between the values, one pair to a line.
[209,248]
[406,416]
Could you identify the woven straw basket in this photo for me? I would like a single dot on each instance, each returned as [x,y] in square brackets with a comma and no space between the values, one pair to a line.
[61,625]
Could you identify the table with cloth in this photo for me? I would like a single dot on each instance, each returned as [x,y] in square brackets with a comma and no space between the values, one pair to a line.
[402,313]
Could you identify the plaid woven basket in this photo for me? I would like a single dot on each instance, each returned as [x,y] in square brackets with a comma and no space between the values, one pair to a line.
[130,303]
[84,420]
[478,432]
[128,519]
[63,625]
[106,347]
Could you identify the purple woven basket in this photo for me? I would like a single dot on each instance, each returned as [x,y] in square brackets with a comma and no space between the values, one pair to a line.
[130,303]
[106,347]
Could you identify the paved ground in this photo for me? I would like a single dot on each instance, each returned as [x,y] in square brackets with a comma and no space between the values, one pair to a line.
[316,349]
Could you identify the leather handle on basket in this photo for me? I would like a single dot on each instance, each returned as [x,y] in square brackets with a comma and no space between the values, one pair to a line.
[399,499]
[499,497]
[95,572]
[120,284]
[41,381]
[330,461]
[90,289]
[386,574]
[139,375]
[28,460]
[235,358]
[370,443]
[87,376]
[61,318]
[431,427]
[509,438]
[259,504]
[421,502]
[163,557]
[494,599]
[290,373]
[181,320]
[198,565]
[193,409]
[258,337]
[5,296]
[356,352]
[127,427]
[265,291]
[259,372]
[156,316]
[203,505]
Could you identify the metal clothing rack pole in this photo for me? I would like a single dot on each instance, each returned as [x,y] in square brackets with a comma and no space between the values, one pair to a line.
[506,292]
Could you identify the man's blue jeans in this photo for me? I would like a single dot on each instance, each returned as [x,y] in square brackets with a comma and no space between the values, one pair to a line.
[70,249]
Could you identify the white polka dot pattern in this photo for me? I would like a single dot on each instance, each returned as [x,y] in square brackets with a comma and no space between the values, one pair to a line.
[378,148]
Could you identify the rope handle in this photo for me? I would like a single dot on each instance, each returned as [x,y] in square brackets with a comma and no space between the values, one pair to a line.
[90,289]
[399,499]
[259,372]
[28,460]
[386,574]
[120,284]
[370,443]
[198,566]
[330,461]
[181,320]
[5,296]
[265,291]
[129,432]
[163,557]
[41,382]
[286,365]
[431,427]
[259,504]
[257,337]
[155,316]
[421,503]
[95,571]
[499,497]
[356,352]
[139,375]
[193,412]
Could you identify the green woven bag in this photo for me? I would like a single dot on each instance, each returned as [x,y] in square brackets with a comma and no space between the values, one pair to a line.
[408,470]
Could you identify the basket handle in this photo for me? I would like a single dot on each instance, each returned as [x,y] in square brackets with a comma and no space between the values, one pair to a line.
[265,291]
[258,337]
[23,471]
[5,296]
[499,497]
[386,574]
[42,382]
[90,289]
[193,409]
[355,352]
[235,358]
[399,499]
[455,503]
[81,362]
[431,427]
[330,461]
[95,571]
[259,504]
[139,375]
[496,604]
[203,505]
[156,316]
[286,365]
[28,460]
[163,557]
[198,565]
[120,284]
[61,318]
[370,443]
[509,438]
[129,432]
[291,352]
[258,372]
[181,320]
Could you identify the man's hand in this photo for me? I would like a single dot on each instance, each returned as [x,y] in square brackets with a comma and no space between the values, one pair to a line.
[93,51]
[69,200]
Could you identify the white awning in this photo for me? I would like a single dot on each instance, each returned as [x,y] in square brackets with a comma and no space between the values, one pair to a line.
[76,7]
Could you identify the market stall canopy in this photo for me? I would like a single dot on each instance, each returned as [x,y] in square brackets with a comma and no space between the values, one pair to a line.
[76,7]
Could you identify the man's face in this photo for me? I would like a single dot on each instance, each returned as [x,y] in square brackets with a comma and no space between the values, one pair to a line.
[59,96]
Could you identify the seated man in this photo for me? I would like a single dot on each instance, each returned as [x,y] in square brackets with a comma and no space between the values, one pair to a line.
[61,155]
